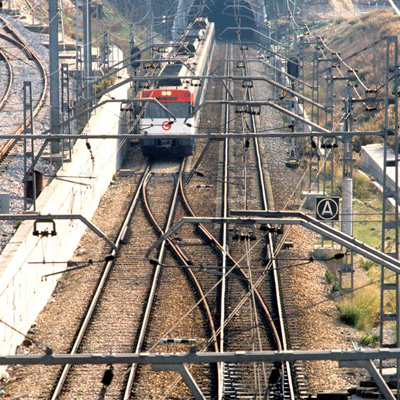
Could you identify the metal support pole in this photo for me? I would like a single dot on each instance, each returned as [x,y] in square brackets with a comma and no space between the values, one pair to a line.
[390,319]
[314,90]
[293,142]
[106,55]
[131,46]
[87,50]
[61,25]
[28,129]
[33,12]
[346,265]
[54,74]
[314,165]
[65,107]
[79,46]
[328,144]
[329,99]
[41,11]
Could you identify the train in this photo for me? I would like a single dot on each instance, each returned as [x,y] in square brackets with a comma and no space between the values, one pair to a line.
[173,109]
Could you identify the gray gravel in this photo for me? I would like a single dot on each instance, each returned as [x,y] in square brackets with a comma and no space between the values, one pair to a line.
[11,179]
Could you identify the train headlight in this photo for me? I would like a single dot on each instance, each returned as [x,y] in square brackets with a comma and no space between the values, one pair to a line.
[166,93]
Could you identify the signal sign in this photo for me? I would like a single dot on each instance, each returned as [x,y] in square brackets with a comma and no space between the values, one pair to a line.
[327,208]
[166,125]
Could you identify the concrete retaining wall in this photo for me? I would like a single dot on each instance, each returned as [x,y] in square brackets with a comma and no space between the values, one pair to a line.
[372,163]
[23,292]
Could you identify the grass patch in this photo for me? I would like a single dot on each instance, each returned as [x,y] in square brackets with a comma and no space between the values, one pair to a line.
[368,340]
[367,207]
[335,287]
[351,315]
[361,312]
[363,187]
[366,264]
[329,277]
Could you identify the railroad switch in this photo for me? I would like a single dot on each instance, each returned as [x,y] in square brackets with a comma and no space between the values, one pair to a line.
[243,234]
[272,229]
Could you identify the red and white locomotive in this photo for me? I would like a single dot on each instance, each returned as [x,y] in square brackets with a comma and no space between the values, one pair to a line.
[169,105]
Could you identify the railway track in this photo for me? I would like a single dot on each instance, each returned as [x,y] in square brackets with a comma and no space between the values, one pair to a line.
[175,324]
[256,327]
[22,64]
[296,371]
[236,382]
[137,315]
[180,295]
[103,315]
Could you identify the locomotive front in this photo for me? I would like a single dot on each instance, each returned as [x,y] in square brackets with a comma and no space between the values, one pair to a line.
[168,111]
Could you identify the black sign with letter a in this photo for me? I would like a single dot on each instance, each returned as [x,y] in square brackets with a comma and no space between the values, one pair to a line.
[327,208]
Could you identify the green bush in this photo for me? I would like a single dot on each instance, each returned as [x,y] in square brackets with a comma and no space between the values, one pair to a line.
[330,277]
[362,311]
[351,315]
[366,264]
[335,287]
[369,340]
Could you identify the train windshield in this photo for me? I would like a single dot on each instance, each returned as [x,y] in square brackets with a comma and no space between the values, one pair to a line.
[179,109]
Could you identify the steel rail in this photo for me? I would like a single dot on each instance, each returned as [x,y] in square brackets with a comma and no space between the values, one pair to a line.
[155,282]
[225,252]
[225,191]
[219,247]
[183,260]
[100,287]
[10,79]
[4,149]
[270,244]
[262,184]
[16,42]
